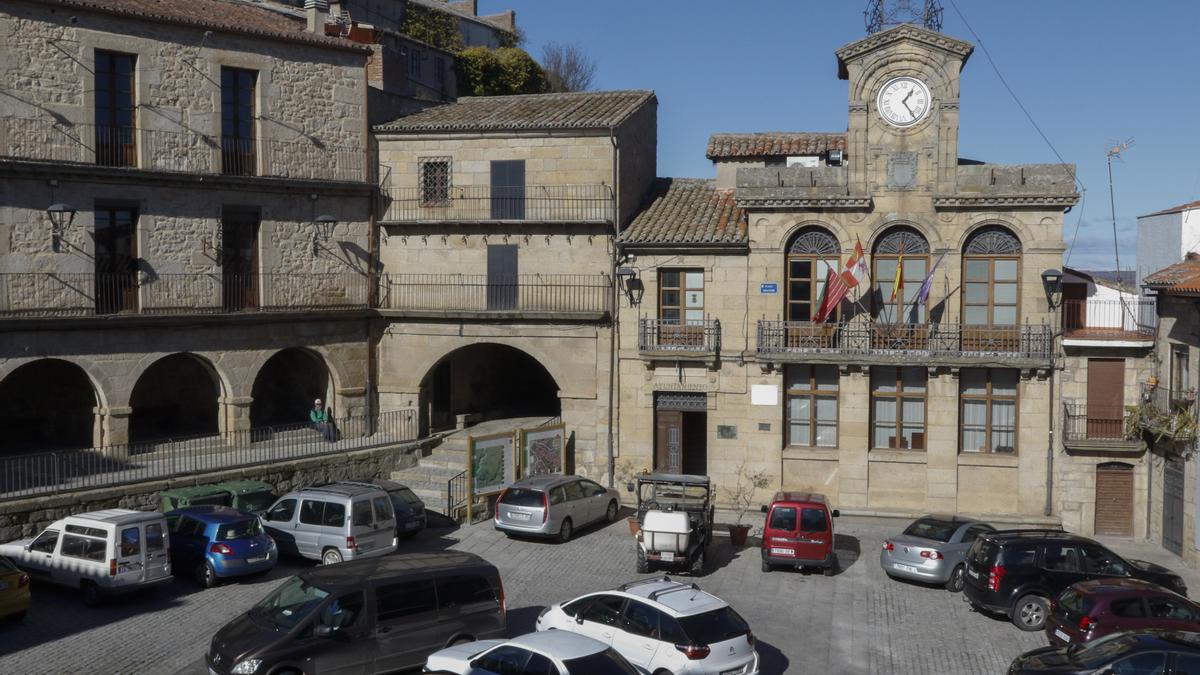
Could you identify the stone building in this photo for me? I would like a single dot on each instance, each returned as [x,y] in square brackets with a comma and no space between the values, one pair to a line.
[899,402]
[185,204]
[498,223]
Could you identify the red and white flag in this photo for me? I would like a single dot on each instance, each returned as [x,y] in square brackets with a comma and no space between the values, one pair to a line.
[837,285]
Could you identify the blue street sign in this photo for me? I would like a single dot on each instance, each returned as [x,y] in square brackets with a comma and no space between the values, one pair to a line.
[768,288]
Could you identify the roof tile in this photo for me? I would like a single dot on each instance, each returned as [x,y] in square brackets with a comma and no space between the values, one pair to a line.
[687,211]
[575,110]
[773,143]
[1176,209]
[1182,277]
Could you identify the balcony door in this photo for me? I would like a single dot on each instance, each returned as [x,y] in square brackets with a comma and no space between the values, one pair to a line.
[508,190]
[502,279]
[115,260]
[114,107]
[991,291]
[238,152]
[1106,399]
[239,260]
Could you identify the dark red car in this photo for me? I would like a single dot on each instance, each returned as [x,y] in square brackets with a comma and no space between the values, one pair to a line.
[1090,609]
[798,532]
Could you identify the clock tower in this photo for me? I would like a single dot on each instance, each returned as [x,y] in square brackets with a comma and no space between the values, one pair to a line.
[903,113]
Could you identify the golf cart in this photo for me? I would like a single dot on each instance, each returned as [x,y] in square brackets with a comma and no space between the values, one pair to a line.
[675,519]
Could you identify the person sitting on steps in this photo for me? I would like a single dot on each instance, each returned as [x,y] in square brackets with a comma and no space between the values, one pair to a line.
[319,417]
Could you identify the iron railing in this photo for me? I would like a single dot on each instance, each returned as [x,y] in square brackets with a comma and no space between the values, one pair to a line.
[555,203]
[662,335]
[54,472]
[1135,317]
[180,151]
[1166,400]
[870,338]
[1089,422]
[525,293]
[38,295]
[456,493]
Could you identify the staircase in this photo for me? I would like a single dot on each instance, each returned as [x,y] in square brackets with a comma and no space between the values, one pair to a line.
[429,477]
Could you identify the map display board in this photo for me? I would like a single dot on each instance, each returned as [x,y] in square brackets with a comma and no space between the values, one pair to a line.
[543,450]
[491,463]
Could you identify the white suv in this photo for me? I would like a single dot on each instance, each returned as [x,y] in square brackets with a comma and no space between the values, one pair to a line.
[661,626]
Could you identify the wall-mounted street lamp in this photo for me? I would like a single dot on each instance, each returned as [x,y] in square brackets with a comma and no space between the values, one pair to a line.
[322,231]
[61,217]
[1052,282]
[633,287]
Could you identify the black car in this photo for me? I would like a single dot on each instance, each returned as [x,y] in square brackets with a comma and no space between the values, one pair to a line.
[1142,653]
[1017,572]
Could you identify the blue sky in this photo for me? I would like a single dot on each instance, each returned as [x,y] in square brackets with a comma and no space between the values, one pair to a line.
[1091,72]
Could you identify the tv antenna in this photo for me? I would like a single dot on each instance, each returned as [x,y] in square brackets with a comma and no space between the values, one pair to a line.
[881,14]
[1115,151]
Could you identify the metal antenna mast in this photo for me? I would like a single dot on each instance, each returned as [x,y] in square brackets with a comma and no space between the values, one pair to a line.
[1115,151]
[881,14]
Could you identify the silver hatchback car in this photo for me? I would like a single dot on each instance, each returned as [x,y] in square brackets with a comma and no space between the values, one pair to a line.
[554,505]
[931,550]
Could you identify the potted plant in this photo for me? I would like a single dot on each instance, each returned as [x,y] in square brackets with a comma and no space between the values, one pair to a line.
[741,497]
[626,472]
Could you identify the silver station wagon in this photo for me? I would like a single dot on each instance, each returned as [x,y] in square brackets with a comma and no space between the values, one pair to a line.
[554,505]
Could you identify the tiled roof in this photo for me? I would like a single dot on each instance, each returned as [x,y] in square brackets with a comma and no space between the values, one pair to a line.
[576,110]
[687,211]
[228,16]
[774,143]
[1176,209]
[442,6]
[1182,277]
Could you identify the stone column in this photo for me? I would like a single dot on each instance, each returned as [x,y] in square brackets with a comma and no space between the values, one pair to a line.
[112,427]
[854,436]
[233,419]
[350,412]
[941,440]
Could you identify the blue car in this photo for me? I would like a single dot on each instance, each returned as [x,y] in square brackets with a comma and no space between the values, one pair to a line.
[217,542]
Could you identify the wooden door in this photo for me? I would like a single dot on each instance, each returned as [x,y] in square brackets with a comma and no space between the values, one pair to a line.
[1114,499]
[1106,399]
[239,261]
[115,260]
[668,441]
[508,189]
[1074,306]
[1172,506]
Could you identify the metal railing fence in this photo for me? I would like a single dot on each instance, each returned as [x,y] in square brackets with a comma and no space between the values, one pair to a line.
[664,335]
[555,293]
[556,203]
[874,338]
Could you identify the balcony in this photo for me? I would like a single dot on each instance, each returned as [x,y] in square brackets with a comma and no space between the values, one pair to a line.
[482,203]
[875,343]
[67,295]
[1166,416]
[182,151]
[528,296]
[660,339]
[1115,323]
[1092,428]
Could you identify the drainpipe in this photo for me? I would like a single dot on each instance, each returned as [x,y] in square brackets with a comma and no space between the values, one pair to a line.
[1050,438]
[612,341]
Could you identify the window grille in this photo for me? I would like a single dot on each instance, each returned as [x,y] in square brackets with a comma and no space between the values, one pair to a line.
[434,173]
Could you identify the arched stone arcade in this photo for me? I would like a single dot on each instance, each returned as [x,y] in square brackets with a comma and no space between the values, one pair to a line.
[47,404]
[489,380]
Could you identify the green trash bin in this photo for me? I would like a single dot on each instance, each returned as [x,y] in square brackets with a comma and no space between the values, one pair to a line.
[251,496]
[197,495]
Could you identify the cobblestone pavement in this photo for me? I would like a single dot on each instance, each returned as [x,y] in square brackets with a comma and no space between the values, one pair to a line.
[856,622]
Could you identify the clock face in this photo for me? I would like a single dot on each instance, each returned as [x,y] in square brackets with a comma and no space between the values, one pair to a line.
[903,101]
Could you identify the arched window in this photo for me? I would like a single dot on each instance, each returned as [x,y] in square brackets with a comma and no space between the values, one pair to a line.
[904,247]
[991,278]
[812,253]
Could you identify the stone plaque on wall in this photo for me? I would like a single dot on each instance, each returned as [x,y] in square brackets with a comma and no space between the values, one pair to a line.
[902,171]
[726,431]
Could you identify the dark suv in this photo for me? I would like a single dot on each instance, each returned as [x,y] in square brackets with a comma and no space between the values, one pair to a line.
[1017,572]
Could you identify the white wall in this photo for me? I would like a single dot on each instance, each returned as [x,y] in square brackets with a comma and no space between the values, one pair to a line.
[1164,240]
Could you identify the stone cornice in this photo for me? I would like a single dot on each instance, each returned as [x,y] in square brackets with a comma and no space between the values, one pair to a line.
[839,202]
[974,201]
[902,32]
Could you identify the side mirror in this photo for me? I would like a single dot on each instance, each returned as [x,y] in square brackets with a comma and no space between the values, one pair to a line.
[836,513]
[29,546]
[763,508]
[323,631]
[579,618]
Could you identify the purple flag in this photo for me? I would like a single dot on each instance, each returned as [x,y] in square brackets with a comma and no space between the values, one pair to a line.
[926,285]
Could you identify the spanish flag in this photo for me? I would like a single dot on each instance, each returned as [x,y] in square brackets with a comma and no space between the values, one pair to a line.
[898,284]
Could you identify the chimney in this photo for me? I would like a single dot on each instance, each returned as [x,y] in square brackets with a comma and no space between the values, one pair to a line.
[469,6]
[316,11]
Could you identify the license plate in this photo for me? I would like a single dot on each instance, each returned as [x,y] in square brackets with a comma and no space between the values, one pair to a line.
[365,546]
[782,551]
[256,559]
[411,526]
[735,671]
[517,515]
[1061,635]
[905,568]
[973,574]
[667,556]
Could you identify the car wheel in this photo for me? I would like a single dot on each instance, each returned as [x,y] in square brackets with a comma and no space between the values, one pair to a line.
[1031,613]
[766,567]
[91,593]
[564,531]
[958,579]
[643,565]
[331,556]
[832,569]
[611,514]
[697,567]
[205,576]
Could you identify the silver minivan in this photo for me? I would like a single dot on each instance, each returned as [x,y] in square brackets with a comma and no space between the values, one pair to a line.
[334,522]
[554,505]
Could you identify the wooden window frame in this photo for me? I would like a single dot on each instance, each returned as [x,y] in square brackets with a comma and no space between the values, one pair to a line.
[239,152]
[1180,356]
[882,290]
[682,289]
[815,298]
[812,393]
[991,303]
[115,143]
[898,396]
[988,398]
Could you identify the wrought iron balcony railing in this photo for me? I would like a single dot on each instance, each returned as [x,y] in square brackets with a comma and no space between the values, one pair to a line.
[1084,422]
[870,338]
[660,336]
[1127,319]
[586,294]
[50,295]
[180,151]
[473,203]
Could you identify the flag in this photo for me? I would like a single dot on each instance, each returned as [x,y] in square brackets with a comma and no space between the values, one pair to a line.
[898,283]
[856,266]
[838,284]
[926,285]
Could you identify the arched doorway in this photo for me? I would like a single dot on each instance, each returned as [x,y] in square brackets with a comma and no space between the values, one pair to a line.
[46,405]
[492,381]
[900,246]
[286,386]
[175,397]
[991,278]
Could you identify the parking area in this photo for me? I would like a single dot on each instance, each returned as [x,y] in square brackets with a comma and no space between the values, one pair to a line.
[858,621]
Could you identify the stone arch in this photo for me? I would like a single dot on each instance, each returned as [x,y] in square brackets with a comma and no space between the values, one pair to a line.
[176,396]
[889,239]
[790,234]
[286,385]
[488,380]
[48,404]
[1015,228]
[813,240]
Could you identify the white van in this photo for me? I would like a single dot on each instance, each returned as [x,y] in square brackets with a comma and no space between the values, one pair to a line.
[101,553]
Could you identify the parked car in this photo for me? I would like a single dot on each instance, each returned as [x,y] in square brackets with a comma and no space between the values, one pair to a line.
[931,550]
[101,553]
[334,522]
[218,542]
[14,591]
[375,615]
[1017,572]
[554,505]
[248,496]
[555,653]
[410,510]
[193,495]
[1141,653]
[1092,609]
[661,626]
[675,515]
[798,532]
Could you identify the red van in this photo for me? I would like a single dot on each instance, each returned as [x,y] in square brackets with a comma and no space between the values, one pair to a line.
[799,532]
